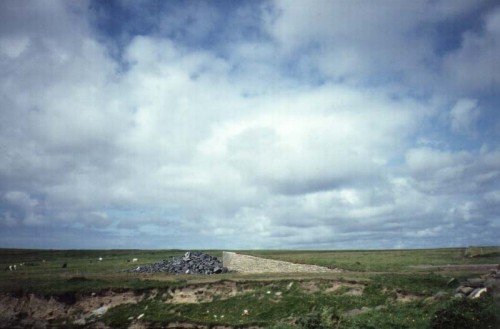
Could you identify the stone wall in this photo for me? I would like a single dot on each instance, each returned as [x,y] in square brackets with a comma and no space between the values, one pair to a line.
[251,264]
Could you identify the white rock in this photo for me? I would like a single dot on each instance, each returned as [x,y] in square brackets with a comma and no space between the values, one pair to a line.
[100,311]
[477,293]
[140,316]
[80,322]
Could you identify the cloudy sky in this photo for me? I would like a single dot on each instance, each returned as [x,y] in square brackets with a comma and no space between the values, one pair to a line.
[249,124]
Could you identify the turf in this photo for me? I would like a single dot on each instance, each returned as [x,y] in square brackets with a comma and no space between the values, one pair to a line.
[277,300]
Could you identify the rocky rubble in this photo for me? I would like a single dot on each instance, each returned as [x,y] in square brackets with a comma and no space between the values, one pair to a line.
[475,287]
[191,263]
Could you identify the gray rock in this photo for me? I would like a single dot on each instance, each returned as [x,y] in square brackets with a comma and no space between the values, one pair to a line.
[190,263]
[464,290]
[442,295]
[80,322]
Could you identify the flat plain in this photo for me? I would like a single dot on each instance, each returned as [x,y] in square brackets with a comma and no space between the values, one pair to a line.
[376,289]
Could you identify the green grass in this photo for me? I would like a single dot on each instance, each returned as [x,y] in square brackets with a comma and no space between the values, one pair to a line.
[295,306]
[382,260]
[385,275]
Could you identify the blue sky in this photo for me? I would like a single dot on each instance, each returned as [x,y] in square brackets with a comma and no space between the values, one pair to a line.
[249,124]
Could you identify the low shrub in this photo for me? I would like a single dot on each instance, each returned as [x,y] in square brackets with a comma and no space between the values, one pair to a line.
[467,314]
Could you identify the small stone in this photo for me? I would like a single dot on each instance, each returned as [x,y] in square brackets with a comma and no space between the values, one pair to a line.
[101,310]
[477,293]
[464,290]
[80,322]
[277,293]
[458,295]
[140,316]
[441,295]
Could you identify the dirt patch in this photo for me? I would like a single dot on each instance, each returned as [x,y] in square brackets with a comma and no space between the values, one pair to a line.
[95,304]
[207,293]
[350,289]
[310,287]
[406,298]
[345,288]
[31,309]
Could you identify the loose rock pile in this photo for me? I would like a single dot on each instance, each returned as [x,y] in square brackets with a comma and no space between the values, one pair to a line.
[191,263]
[475,287]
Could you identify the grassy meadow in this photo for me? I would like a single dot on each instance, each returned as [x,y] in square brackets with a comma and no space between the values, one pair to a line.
[380,289]
[385,260]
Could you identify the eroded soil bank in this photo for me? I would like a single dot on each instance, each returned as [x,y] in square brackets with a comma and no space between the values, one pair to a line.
[246,304]
[89,310]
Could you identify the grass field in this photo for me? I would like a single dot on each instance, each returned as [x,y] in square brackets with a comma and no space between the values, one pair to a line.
[384,260]
[381,289]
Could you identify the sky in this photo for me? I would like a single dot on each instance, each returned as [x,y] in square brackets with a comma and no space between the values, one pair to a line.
[249,124]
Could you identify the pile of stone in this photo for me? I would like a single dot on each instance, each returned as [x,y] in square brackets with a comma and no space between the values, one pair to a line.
[476,287]
[191,263]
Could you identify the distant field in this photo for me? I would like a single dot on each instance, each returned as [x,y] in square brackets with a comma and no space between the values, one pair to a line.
[381,289]
[43,268]
[383,260]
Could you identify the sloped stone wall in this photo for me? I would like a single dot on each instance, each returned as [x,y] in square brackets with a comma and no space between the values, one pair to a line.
[251,264]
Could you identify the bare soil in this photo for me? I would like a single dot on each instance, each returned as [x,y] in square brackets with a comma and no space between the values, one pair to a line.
[41,312]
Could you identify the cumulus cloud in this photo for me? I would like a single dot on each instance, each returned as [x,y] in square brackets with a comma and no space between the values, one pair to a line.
[472,66]
[283,129]
[464,116]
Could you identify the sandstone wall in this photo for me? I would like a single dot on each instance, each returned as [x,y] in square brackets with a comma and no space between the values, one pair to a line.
[251,264]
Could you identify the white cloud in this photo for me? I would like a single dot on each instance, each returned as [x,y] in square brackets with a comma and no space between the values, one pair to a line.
[464,116]
[474,65]
[240,146]
[451,173]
